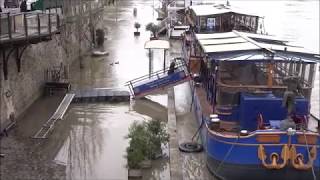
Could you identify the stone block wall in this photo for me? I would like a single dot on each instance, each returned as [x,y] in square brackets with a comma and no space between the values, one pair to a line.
[22,89]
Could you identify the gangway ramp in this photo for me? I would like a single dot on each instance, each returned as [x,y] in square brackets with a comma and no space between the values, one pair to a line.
[158,81]
[57,115]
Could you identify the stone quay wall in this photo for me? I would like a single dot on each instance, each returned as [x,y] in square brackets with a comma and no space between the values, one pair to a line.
[22,89]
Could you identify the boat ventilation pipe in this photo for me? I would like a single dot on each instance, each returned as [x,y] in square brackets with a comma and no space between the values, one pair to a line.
[244,133]
[215,124]
[196,78]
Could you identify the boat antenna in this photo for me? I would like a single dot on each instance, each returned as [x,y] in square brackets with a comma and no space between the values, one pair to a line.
[228,3]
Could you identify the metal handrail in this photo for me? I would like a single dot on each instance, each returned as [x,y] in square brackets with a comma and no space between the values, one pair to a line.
[154,74]
[28,22]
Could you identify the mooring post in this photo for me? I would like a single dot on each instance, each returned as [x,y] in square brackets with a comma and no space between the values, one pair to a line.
[150,62]
[9,26]
[25,25]
[49,22]
[38,18]
[164,59]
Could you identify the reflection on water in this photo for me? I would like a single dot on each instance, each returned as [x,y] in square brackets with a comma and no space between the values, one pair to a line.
[95,147]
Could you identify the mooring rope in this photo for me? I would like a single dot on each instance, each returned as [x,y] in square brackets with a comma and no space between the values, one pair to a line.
[228,153]
[307,146]
[201,124]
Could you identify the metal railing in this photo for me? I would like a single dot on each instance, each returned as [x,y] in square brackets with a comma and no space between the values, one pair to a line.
[16,26]
[179,67]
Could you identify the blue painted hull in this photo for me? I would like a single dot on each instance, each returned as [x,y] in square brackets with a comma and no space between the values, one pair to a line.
[234,158]
[230,171]
[240,160]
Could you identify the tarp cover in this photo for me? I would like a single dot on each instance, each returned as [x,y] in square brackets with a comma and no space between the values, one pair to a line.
[216,9]
[247,46]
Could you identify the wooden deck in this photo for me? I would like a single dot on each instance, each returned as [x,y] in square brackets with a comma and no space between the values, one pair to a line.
[57,115]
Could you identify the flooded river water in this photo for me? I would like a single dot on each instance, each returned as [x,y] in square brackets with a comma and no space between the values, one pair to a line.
[89,143]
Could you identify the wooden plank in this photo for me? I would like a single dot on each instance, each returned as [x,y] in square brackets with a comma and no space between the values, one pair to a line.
[62,108]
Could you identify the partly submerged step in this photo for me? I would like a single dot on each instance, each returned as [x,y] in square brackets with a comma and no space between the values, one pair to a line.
[101,95]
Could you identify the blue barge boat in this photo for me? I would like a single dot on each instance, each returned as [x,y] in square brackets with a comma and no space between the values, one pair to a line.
[252,99]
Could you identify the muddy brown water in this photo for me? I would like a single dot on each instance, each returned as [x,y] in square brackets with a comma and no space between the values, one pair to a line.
[104,126]
[89,143]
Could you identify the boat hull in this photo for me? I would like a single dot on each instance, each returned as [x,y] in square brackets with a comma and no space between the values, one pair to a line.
[241,157]
[228,171]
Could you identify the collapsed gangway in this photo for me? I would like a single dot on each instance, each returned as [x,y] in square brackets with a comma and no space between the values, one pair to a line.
[158,81]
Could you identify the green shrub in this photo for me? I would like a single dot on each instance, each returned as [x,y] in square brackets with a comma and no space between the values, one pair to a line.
[145,141]
[137,26]
[153,28]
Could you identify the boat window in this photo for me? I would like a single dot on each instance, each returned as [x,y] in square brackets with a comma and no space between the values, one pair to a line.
[241,73]
[203,23]
[211,23]
[255,77]
[253,23]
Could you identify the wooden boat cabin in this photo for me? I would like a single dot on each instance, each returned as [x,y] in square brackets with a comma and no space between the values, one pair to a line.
[222,18]
[233,63]
[252,93]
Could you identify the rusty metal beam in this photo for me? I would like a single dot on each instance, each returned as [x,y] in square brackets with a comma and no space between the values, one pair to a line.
[6,56]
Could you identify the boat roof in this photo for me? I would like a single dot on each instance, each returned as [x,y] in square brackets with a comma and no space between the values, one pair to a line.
[216,9]
[240,46]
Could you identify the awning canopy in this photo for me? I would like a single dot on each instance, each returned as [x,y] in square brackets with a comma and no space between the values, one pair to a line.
[157,44]
[238,46]
[217,9]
